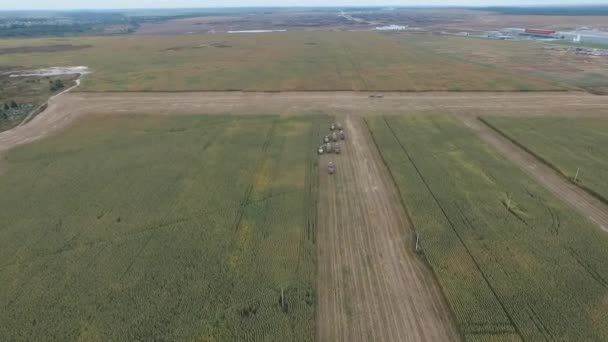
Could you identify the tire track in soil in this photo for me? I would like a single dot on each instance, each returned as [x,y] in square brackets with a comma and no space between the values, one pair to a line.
[371,285]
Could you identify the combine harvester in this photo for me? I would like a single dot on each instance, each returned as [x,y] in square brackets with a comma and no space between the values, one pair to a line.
[331,168]
[331,145]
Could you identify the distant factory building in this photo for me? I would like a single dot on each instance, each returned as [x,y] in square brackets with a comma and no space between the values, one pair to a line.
[586,36]
[540,33]
[582,35]
[391,28]
[498,35]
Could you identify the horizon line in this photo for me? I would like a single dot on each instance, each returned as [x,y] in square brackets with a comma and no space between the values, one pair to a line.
[309,7]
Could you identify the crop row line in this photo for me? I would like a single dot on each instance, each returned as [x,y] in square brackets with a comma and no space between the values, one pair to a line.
[260,163]
[121,237]
[461,240]
[592,272]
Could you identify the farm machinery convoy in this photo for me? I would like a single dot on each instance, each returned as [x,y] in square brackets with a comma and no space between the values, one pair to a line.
[331,144]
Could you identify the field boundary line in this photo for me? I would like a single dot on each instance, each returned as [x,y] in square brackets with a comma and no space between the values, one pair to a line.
[414,231]
[336,90]
[136,256]
[259,164]
[592,272]
[542,160]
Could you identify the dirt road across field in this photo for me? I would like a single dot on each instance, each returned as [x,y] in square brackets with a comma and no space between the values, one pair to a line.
[579,199]
[65,108]
[372,287]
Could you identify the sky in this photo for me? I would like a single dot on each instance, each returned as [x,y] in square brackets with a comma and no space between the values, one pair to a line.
[111,4]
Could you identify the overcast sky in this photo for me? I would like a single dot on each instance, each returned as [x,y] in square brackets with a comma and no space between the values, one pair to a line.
[106,4]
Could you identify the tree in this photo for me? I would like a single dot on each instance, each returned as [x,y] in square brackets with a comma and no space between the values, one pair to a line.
[6,106]
[14,104]
[56,85]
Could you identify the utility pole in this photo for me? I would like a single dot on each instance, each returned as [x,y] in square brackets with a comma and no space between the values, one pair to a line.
[576,176]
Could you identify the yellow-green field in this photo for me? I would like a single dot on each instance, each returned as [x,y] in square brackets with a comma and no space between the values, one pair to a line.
[567,144]
[279,61]
[144,228]
[515,263]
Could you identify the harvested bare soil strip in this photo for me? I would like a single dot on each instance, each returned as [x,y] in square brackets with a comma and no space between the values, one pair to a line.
[590,206]
[372,287]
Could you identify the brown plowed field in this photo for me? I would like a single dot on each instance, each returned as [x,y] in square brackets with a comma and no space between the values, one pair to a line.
[372,287]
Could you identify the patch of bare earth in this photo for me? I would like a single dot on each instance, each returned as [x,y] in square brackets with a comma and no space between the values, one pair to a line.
[371,286]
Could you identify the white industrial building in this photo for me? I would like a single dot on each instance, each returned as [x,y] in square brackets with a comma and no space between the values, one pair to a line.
[391,28]
[585,36]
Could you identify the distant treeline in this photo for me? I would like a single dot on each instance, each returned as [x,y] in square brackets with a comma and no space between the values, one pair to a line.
[601,10]
[42,30]
[65,24]
[101,22]
[78,23]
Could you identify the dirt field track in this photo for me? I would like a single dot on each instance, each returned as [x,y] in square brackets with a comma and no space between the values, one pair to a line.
[372,287]
[65,108]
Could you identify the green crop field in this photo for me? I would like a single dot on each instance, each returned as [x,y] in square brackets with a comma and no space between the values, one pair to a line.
[514,262]
[278,61]
[143,228]
[567,144]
